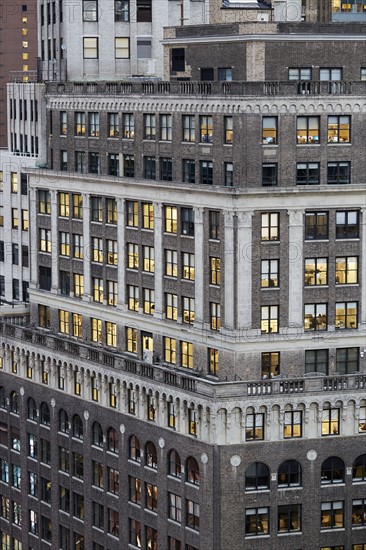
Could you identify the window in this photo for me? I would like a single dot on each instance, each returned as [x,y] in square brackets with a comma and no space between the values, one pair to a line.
[94,166]
[187,265]
[63,123]
[270,364]
[339,173]
[64,243]
[206,131]
[189,128]
[77,206]
[330,421]
[149,168]
[45,490]
[187,355]
[189,171]
[362,419]
[308,173]
[97,289]
[254,429]
[25,220]
[97,250]
[301,73]
[93,126]
[316,361]
[175,507]
[215,320]
[14,218]
[133,297]
[257,477]
[269,130]
[143,49]
[151,456]
[33,522]
[149,127]
[256,521]
[149,301]
[332,515]
[96,209]
[44,202]
[187,219]
[215,273]
[228,174]
[78,285]
[332,471]
[359,469]
[175,466]
[193,515]
[78,246]
[289,518]
[206,172]
[166,127]
[339,129]
[166,169]
[269,273]
[97,474]
[122,10]
[269,319]
[347,224]
[135,533]
[316,225]
[147,216]
[172,416]
[188,310]
[78,505]
[207,74]
[316,271]
[144,12]
[347,360]
[171,216]
[214,225]
[346,315]
[96,330]
[15,254]
[315,317]
[80,165]
[289,474]
[128,126]
[330,74]
[359,512]
[44,316]
[112,254]
[151,492]
[113,480]
[132,256]
[228,130]
[308,129]
[45,240]
[132,211]
[347,270]
[129,166]
[148,259]
[63,321]
[79,124]
[97,436]
[170,349]
[131,340]
[178,60]
[225,73]
[113,522]
[14,182]
[90,48]
[270,226]
[90,10]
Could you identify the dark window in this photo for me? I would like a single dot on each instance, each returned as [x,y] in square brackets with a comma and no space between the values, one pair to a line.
[257,477]
[316,225]
[65,283]
[187,220]
[149,168]
[207,73]
[113,164]
[175,466]
[332,515]
[206,172]
[45,278]
[347,361]
[166,169]
[94,163]
[308,173]
[214,225]
[122,10]
[129,166]
[225,73]
[289,518]
[256,521]
[359,468]
[178,59]
[289,474]
[193,472]
[143,11]
[339,172]
[228,174]
[332,470]
[189,168]
[270,364]
[316,361]
[347,224]
[359,513]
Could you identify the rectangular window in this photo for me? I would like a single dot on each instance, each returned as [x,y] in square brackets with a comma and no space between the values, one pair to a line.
[77,325]
[94,163]
[96,330]
[122,10]
[112,293]
[63,123]
[316,225]
[171,216]
[207,74]
[228,174]
[14,182]
[254,427]
[178,60]
[225,73]
[113,165]
[45,240]
[14,218]
[113,125]
[128,126]
[316,361]
[213,361]
[44,202]
[78,246]
[149,301]
[166,169]
[316,317]
[347,270]
[270,226]
[330,74]
[269,175]
[170,350]
[187,219]
[256,522]
[206,129]
[132,256]
[299,73]
[188,310]
[269,319]
[347,224]
[151,492]
[347,360]
[111,334]
[166,127]
[80,165]
[193,515]
[147,216]
[214,225]
[97,289]
[186,355]
[97,250]
[308,128]
[188,266]
[63,321]
[90,10]
[308,173]
[269,130]
[332,515]
[64,239]
[228,130]
[189,128]
[339,173]
[215,320]
[316,271]
[131,340]
[132,211]
[96,209]
[122,48]
[143,49]
[330,421]
[339,129]
[144,11]
[149,127]
[189,171]
[269,273]
[292,424]
[90,48]
[171,301]
[270,364]
[111,211]
[148,259]
[346,316]
[206,172]
[215,272]
[133,297]
[129,166]
[79,124]
[175,507]
[150,168]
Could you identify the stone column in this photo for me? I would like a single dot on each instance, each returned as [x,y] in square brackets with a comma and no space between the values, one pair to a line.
[229,270]
[159,260]
[295,269]
[55,242]
[121,224]
[198,267]
[244,270]
[363,271]
[88,252]
[33,238]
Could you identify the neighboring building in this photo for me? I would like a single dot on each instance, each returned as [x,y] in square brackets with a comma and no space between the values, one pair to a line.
[18,51]
[193,373]
[349,10]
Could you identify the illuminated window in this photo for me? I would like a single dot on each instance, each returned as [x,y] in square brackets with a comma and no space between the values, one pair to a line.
[148,216]
[171,216]
[270,226]
[347,270]
[78,285]
[213,361]
[187,355]
[63,321]
[330,421]
[188,310]
[269,130]
[148,259]
[215,320]
[111,334]
[187,266]
[292,425]
[96,330]
[132,212]
[122,48]
[131,340]
[308,128]
[170,350]
[90,48]
[77,325]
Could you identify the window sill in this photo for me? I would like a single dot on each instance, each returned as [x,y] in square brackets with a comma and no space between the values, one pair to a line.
[270,288]
[188,484]
[175,478]
[191,530]
[291,533]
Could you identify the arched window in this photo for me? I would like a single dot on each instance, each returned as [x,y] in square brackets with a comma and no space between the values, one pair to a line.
[257,477]
[97,434]
[32,409]
[193,471]
[289,474]
[2,398]
[14,402]
[175,466]
[151,456]
[63,421]
[135,451]
[332,470]
[112,440]
[45,414]
[359,468]
[77,427]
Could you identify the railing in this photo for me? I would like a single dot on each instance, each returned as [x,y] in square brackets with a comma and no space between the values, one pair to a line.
[193,88]
[191,382]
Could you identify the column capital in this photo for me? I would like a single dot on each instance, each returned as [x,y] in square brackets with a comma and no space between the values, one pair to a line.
[295,217]
[198,214]
[229,218]
[245,218]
